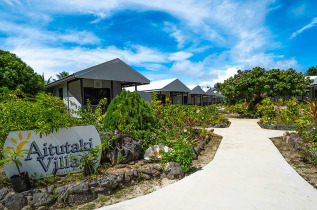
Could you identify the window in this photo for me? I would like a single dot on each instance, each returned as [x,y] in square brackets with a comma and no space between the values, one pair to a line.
[162,98]
[95,95]
[185,99]
[60,93]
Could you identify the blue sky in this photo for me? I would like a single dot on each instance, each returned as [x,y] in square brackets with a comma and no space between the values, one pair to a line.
[198,41]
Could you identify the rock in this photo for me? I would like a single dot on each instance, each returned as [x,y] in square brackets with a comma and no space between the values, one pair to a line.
[109,182]
[79,188]
[2,207]
[195,156]
[157,167]
[202,145]
[62,194]
[42,199]
[81,193]
[146,176]
[197,150]
[120,177]
[50,189]
[15,201]
[145,170]
[3,192]
[173,171]
[154,151]
[136,174]
[291,127]
[125,149]
[219,126]
[281,127]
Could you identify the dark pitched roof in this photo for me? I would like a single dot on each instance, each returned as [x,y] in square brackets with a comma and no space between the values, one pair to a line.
[209,92]
[115,70]
[197,91]
[169,85]
[219,95]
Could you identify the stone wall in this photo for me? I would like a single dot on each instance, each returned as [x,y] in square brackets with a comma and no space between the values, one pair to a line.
[87,190]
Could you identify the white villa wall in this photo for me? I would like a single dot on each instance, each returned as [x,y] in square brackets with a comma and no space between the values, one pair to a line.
[74,94]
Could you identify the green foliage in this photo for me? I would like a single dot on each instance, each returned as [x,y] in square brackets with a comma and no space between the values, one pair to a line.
[15,74]
[182,153]
[312,71]
[88,160]
[291,113]
[62,75]
[44,114]
[12,156]
[128,112]
[267,110]
[243,109]
[306,125]
[274,114]
[254,85]
[90,117]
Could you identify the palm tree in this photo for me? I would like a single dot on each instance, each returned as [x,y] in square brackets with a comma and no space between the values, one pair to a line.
[49,80]
[62,75]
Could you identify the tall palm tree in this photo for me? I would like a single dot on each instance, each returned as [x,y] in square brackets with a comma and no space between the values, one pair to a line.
[62,75]
[49,80]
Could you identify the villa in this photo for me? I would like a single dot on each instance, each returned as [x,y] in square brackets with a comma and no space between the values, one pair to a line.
[105,80]
[196,95]
[210,96]
[173,89]
[313,89]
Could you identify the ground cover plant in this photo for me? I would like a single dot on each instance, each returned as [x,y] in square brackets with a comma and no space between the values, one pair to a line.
[301,117]
[280,112]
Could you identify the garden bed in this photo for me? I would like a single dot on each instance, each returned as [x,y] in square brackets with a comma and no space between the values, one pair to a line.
[297,160]
[225,124]
[147,186]
[275,127]
[75,189]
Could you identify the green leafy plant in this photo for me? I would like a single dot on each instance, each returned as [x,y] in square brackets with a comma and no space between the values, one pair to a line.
[12,156]
[128,112]
[88,160]
[182,153]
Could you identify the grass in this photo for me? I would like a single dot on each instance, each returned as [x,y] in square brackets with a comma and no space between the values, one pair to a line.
[102,200]
[89,206]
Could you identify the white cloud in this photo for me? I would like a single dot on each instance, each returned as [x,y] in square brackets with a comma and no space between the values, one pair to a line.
[219,76]
[188,68]
[31,34]
[180,56]
[308,26]
[54,60]
[175,33]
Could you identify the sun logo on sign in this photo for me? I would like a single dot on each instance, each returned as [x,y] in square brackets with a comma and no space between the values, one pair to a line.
[19,143]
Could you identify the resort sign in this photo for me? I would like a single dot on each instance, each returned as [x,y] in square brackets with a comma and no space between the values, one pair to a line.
[54,154]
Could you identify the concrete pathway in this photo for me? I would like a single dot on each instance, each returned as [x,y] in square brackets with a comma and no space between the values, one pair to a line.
[248,172]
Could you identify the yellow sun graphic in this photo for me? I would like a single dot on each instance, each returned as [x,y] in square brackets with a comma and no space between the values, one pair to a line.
[21,142]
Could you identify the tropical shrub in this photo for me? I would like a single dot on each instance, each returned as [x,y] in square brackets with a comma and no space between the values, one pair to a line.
[275,114]
[88,116]
[267,110]
[182,153]
[243,109]
[128,112]
[43,114]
